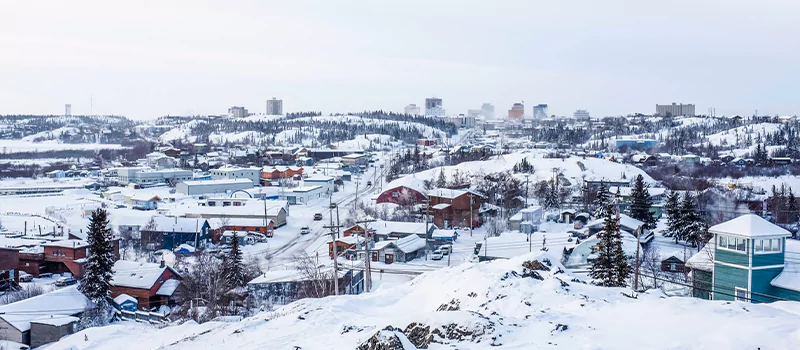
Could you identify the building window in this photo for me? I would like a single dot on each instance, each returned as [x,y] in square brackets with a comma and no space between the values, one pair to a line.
[741,294]
[732,243]
[767,246]
[395,194]
[673,267]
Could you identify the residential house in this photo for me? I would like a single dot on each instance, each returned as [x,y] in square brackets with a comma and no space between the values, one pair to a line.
[281,287]
[454,208]
[151,284]
[690,159]
[67,256]
[54,312]
[526,220]
[344,244]
[673,264]
[126,302]
[748,262]
[274,173]
[326,182]
[384,230]
[398,250]
[356,159]
[164,232]
[357,229]
[144,202]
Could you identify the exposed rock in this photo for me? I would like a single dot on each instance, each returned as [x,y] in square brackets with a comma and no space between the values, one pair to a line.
[386,339]
[419,335]
[453,305]
[535,265]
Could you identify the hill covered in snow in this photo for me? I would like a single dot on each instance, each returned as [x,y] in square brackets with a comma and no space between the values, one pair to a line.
[527,302]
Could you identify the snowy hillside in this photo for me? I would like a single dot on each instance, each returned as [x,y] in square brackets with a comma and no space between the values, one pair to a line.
[573,168]
[478,306]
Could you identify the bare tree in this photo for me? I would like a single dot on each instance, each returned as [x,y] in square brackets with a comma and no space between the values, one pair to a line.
[650,265]
[318,279]
[204,284]
[495,226]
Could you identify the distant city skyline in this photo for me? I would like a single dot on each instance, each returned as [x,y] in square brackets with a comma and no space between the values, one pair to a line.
[614,57]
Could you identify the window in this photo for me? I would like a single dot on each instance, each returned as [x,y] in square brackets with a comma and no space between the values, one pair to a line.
[741,294]
[766,246]
[395,194]
[733,243]
[673,266]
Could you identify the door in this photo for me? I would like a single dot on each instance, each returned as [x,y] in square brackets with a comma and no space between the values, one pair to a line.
[389,258]
[374,256]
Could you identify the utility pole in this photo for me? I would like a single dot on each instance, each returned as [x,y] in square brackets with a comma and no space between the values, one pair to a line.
[333,234]
[636,275]
[526,189]
[427,236]
[471,220]
[367,268]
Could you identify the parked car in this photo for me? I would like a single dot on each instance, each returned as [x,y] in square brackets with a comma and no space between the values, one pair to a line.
[333,206]
[445,249]
[369,183]
[65,281]
[25,277]
[437,255]
[305,230]
[318,216]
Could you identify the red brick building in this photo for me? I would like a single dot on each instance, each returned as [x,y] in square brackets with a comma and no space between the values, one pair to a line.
[151,284]
[218,225]
[452,208]
[9,261]
[66,256]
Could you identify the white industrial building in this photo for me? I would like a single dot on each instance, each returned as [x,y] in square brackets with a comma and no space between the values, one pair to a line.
[325,181]
[192,188]
[274,106]
[302,195]
[581,114]
[412,109]
[233,172]
[145,176]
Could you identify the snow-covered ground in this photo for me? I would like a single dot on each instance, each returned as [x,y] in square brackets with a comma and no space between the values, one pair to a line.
[479,306]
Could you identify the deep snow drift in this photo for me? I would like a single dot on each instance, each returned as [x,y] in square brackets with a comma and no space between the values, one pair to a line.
[479,306]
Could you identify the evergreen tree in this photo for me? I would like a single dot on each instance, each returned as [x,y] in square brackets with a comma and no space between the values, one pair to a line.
[602,200]
[393,172]
[641,202]
[791,207]
[98,270]
[610,268]
[551,197]
[691,227]
[585,196]
[234,268]
[441,182]
[673,210]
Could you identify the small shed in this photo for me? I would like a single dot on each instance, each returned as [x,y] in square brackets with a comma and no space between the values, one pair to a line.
[126,302]
[566,216]
[50,329]
[673,264]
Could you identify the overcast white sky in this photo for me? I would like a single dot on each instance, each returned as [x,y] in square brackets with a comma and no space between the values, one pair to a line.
[144,59]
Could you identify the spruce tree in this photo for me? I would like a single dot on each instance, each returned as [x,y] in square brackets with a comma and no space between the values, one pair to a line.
[791,207]
[641,202]
[691,226]
[602,200]
[551,197]
[234,266]
[98,270]
[610,268]
[441,182]
[673,211]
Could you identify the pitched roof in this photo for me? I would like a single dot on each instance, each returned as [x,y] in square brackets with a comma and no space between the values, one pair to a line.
[68,301]
[67,243]
[749,225]
[123,298]
[704,259]
[446,193]
[410,243]
[169,287]
[408,181]
[137,274]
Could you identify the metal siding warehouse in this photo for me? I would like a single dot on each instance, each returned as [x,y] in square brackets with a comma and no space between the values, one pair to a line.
[191,188]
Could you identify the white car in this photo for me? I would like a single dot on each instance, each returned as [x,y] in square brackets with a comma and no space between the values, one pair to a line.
[437,255]
[445,249]
[305,230]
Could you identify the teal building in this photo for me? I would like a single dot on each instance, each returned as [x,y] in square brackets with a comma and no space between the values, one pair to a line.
[747,262]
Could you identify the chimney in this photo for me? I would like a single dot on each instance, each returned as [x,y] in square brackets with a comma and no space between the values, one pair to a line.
[162,263]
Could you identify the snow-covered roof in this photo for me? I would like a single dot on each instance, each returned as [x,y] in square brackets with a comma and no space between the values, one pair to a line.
[446,193]
[123,298]
[216,223]
[67,301]
[626,191]
[441,206]
[408,181]
[217,182]
[410,243]
[142,197]
[625,222]
[175,224]
[68,243]
[55,320]
[387,227]
[349,240]
[583,250]
[704,259]
[137,274]
[443,233]
[168,288]
[750,226]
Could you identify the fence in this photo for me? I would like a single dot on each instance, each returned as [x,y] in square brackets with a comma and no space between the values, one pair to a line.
[143,316]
